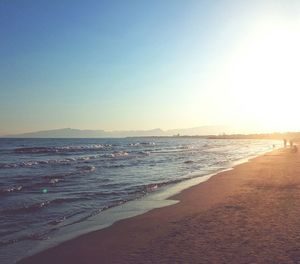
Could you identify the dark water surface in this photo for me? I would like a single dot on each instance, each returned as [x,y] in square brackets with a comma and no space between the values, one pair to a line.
[49,184]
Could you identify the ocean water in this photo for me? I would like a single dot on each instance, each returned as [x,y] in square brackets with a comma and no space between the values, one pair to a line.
[48,185]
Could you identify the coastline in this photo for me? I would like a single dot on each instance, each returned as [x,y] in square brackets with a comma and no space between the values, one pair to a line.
[157,235]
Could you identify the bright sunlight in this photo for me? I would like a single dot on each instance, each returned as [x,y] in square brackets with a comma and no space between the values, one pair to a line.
[263,76]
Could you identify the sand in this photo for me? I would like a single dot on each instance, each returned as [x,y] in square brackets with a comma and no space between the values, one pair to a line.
[250,214]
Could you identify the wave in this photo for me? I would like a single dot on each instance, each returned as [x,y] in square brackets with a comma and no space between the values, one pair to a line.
[44,233]
[85,169]
[68,161]
[125,154]
[32,163]
[115,203]
[26,208]
[57,221]
[186,147]
[10,190]
[30,208]
[32,236]
[141,144]
[148,188]
[117,154]
[148,143]
[133,193]
[8,165]
[28,164]
[37,150]
[45,181]
[178,149]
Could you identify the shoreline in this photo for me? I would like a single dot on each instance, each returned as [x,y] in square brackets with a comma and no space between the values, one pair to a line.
[155,200]
[227,197]
[58,234]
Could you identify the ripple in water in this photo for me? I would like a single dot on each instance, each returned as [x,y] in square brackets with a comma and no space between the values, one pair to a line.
[48,184]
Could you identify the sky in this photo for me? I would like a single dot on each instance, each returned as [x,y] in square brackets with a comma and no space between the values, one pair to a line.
[123,65]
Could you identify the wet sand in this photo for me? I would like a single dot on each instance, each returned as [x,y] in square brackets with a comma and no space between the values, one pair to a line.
[250,214]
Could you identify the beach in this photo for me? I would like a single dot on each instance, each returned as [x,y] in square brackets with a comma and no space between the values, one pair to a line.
[149,132]
[246,215]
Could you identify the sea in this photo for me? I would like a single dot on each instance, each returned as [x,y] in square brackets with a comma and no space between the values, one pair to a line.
[54,189]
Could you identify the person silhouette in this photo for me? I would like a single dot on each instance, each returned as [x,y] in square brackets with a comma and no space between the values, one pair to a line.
[284,143]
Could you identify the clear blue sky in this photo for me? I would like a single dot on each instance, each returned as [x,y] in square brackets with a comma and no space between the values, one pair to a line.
[119,65]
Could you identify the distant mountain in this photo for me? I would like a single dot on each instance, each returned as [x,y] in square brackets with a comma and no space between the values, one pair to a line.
[62,133]
[77,133]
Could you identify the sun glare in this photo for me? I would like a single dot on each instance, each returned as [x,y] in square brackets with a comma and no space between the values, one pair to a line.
[264,77]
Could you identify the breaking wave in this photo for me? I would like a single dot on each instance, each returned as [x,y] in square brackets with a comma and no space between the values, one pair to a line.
[32,163]
[33,150]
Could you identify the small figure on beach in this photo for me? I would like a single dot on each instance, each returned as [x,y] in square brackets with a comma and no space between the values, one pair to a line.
[294,149]
[291,143]
[284,143]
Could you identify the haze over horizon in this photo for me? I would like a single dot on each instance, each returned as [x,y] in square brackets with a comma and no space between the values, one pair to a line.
[77,133]
[156,132]
[139,65]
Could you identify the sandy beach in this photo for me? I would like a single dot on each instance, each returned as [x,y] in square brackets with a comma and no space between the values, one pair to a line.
[247,215]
